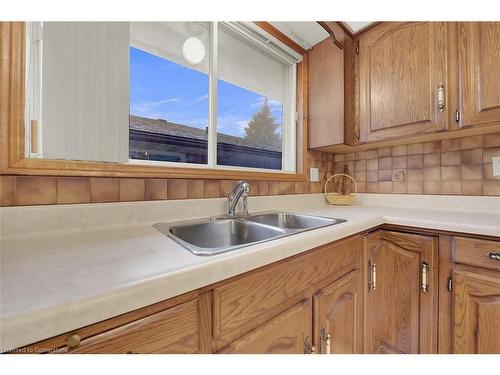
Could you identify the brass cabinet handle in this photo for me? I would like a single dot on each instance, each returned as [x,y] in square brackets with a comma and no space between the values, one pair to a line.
[494,256]
[73,341]
[441,103]
[308,347]
[424,270]
[325,341]
[372,276]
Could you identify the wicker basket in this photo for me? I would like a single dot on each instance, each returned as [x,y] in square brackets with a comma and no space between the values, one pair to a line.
[336,199]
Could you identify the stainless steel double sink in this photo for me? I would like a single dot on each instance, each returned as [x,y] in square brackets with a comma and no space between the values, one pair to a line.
[220,234]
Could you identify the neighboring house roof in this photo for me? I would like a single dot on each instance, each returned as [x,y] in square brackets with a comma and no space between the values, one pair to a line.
[163,127]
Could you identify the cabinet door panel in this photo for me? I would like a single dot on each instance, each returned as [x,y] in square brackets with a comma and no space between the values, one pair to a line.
[479,55]
[401,66]
[400,318]
[338,310]
[326,94]
[283,334]
[476,306]
[240,304]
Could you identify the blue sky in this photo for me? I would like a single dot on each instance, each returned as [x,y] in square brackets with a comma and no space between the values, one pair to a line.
[163,89]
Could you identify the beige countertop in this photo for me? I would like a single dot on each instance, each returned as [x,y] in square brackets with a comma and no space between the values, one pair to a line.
[64,267]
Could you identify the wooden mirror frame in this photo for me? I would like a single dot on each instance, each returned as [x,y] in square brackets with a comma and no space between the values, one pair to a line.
[13,162]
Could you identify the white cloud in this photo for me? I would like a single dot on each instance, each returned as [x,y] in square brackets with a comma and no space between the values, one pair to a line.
[242,125]
[274,104]
[200,99]
[150,109]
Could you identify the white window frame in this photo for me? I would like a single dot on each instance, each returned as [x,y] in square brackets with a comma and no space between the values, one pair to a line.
[289,146]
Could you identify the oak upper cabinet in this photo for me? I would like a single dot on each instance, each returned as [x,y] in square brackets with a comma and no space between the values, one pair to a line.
[402,68]
[287,333]
[479,59]
[338,316]
[476,310]
[325,94]
[401,293]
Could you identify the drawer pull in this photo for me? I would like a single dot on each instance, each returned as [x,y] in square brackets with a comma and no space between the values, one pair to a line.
[494,256]
[73,341]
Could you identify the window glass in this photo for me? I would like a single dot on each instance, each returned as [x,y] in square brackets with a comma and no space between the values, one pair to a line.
[253,92]
[169,91]
[249,128]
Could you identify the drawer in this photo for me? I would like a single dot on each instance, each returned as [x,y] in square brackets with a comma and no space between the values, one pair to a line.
[475,252]
[239,304]
[174,330]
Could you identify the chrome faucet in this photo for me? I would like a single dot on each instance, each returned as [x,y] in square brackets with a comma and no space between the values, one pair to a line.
[241,189]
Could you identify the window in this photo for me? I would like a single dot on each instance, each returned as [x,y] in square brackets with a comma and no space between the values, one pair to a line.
[228,67]
[169,111]
[215,95]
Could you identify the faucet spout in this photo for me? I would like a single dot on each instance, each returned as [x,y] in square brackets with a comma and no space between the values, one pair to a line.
[240,190]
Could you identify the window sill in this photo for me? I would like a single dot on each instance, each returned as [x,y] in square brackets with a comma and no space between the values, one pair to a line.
[48,167]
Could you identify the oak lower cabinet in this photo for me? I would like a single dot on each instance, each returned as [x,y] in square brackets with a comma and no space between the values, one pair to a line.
[401,298]
[475,296]
[178,325]
[288,333]
[246,307]
[174,330]
[338,315]
[476,311]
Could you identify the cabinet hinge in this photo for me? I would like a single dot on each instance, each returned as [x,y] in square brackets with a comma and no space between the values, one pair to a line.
[457,116]
[449,284]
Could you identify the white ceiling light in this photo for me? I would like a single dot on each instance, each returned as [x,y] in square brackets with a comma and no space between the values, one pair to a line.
[193,50]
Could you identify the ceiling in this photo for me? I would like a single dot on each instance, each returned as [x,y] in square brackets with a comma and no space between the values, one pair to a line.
[309,33]
[306,34]
[354,27]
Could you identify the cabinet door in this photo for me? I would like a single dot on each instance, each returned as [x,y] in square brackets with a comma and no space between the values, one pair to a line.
[401,67]
[174,330]
[479,56]
[338,312]
[286,333]
[401,314]
[326,94]
[476,306]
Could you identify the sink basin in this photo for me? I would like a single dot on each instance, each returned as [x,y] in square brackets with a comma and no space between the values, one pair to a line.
[220,234]
[216,236]
[293,221]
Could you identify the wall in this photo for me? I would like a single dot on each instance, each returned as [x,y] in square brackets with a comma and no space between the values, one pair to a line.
[35,190]
[459,166]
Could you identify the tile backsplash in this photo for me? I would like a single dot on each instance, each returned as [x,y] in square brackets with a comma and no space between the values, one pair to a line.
[460,166]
